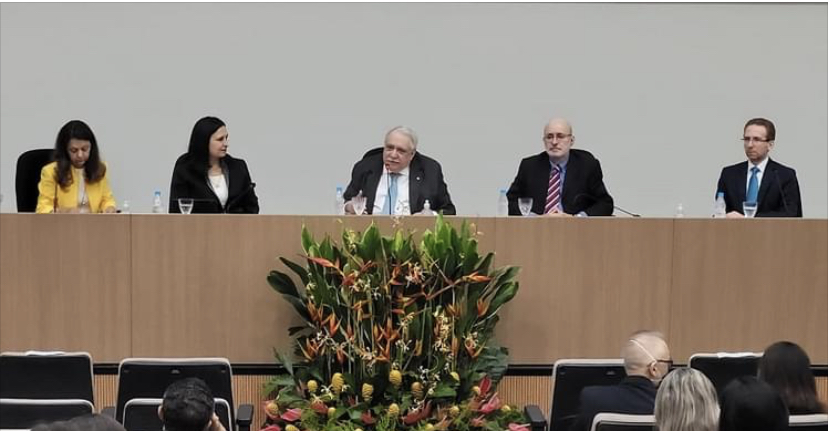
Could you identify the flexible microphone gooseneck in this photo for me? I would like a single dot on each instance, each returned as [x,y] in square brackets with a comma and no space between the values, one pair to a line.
[782,192]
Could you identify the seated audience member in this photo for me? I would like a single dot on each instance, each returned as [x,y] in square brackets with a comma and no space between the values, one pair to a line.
[189,406]
[749,404]
[76,181]
[561,181]
[400,180]
[217,182]
[90,422]
[686,401]
[771,185]
[646,361]
[787,368]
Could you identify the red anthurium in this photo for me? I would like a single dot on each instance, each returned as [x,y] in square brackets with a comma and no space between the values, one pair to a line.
[271,428]
[479,421]
[292,415]
[518,427]
[491,405]
[485,385]
[367,419]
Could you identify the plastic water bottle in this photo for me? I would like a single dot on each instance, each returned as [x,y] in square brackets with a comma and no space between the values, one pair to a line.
[502,204]
[427,208]
[125,207]
[339,202]
[157,206]
[719,206]
[679,211]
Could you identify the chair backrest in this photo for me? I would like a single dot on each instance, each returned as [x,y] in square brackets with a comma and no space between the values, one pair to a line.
[815,422]
[27,177]
[149,378]
[571,376]
[46,375]
[622,422]
[20,413]
[141,414]
[723,367]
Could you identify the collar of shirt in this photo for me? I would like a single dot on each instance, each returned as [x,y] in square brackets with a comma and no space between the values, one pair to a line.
[402,206]
[761,166]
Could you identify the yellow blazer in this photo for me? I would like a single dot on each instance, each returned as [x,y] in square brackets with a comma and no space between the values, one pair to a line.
[99,193]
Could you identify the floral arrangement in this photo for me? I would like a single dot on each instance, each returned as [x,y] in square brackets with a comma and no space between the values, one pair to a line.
[396,335]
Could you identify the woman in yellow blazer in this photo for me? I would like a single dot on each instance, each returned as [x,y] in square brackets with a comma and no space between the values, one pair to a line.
[76,181]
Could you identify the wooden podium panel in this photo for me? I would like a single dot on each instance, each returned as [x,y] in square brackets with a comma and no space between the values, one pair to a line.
[200,281]
[64,283]
[585,284]
[740,285]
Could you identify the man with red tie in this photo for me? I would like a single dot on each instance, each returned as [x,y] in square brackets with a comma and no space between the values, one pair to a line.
[561,181]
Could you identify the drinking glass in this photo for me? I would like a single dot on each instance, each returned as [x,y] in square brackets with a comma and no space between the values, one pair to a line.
[525,205]
[185,205]
[358,202]
[749,208]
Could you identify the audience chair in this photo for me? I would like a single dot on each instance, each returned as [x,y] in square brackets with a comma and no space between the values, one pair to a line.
[570,377]
[148,378]
[19,413]
[622,422]
[816,422]
[723,367]
[27,177]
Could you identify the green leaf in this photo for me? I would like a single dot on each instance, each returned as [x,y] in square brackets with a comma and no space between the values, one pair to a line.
[281,283]
[301,272]
[307,240]
[370,243]
[443,390]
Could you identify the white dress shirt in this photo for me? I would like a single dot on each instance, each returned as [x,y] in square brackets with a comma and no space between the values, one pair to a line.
[402,205]
[759,174]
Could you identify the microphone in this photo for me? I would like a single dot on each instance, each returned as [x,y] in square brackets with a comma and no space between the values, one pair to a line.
[781,192]
[626,212]
[388,190]
[593,199]
[239,196]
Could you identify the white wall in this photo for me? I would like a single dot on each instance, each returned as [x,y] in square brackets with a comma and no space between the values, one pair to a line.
[659,92]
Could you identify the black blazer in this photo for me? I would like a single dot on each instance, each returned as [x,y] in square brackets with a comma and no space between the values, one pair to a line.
[635,395]
[425,182]
[583,188]
[778,192]
[190,181]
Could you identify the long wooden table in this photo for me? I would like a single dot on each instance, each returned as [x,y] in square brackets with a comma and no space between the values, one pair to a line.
[174,285]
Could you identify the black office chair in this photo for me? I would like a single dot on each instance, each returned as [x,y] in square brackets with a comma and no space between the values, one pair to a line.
[44,385]
[571,376]
[26,413]
[27,177]
[143,378]
[622,422]
[816,422]
[723,367]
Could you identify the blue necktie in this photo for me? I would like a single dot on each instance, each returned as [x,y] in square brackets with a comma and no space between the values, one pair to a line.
[391,199]
[753,186]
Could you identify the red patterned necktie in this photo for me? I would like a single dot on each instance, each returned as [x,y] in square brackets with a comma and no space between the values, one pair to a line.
[553,193]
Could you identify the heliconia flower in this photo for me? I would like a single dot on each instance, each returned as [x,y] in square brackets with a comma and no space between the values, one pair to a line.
[322,262]
[292,415]
[271,428]
[491,405]
[482,307]
[518,427]
[479,421]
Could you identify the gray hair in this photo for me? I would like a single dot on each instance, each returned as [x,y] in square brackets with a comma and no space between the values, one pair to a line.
[686,401]
[407,131]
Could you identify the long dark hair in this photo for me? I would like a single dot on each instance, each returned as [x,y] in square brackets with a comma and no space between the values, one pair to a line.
[199,149]
[751,404]
[93,169]
[786,367]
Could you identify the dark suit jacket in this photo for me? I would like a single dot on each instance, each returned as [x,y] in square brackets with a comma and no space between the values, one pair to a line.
[778,192]
[189,180]
[425,182]
[583,188]
[634,395]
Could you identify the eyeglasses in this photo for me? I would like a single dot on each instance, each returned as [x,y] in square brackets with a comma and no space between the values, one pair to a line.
[757,140]
[669,362]
[560,136]
[400,151]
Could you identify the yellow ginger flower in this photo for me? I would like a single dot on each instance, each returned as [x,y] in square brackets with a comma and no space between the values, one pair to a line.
[455,376]
[454,411]
[331,411]
[393,410]
[272,408]
[395,377]
[312,386]
[476,390]
[337,382]
[429,427]
[505,408]
[417,390]
[367,391]
[290,427]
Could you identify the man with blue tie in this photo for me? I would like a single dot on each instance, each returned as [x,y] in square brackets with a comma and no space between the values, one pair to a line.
[772,186]
[397,180]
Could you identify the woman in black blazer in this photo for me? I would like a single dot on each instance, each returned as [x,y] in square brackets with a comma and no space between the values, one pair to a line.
[216,182]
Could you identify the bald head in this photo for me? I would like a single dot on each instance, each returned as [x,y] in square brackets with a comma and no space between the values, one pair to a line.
[642,353]
[558,139]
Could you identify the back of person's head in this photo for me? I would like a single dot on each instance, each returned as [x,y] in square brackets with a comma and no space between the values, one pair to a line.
[199,149]
[686,401]
[750,404]
[88,422]
[787,368]
[646,354]
[188,405]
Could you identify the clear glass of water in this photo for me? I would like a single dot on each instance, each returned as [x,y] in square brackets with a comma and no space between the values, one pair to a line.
[185,205]
[358,203]
[525,205]
[749,209]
